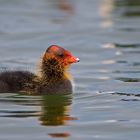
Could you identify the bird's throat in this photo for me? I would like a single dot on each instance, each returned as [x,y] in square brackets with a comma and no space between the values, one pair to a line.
[52,71]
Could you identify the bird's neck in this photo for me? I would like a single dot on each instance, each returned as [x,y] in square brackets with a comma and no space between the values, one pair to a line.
[52,71]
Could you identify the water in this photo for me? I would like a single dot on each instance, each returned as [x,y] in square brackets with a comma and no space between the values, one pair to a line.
[105,35]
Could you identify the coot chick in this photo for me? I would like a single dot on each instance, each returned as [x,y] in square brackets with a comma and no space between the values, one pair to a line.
[53,77]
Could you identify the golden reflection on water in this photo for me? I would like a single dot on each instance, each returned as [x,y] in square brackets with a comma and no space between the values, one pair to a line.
[55,110]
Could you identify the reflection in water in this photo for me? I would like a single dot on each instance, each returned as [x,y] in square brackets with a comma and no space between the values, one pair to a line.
[130,7]
[126,45]
[126,94]
[18,114]
[124,7]
[59,135]
[61,10]
[105,10]
[117,45]
[65,5]
[19,100]
[126,79]
[55,110]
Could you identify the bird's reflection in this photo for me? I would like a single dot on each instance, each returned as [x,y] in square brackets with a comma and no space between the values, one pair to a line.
[56,110]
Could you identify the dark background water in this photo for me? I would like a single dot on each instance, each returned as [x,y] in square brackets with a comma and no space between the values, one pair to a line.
[105,35]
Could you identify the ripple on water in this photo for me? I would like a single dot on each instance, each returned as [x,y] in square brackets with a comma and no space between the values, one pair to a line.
[106,100]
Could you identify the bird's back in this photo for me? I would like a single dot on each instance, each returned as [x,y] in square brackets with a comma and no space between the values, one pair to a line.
[14,81]
[24,81]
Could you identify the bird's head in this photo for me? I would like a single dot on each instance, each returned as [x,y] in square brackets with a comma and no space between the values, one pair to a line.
[60,55]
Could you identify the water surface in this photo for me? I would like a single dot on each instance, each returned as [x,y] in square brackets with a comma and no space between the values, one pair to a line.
[105,35]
